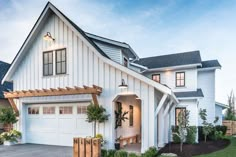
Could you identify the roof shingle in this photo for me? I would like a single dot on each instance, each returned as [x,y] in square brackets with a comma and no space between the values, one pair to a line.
[197,93]
[177,59]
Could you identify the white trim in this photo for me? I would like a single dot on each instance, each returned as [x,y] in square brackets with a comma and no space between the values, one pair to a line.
[189,98]
[211,68]
[173,67]
[138,65]
[163,99]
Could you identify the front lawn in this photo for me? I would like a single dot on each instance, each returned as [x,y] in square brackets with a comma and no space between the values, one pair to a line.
[229,151]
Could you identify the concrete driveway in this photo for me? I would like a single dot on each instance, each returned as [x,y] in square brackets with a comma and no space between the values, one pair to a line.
[35,150]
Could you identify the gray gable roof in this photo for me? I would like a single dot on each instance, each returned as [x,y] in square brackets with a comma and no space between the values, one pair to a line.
[185,58]
[210,64]
[197,93]
[7,85]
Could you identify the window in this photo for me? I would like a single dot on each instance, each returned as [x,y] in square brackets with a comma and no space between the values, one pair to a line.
[33,110]
[156,77]
[125,62]
[81,109]
[61,61]
[177,111]
[180,79]
[48,63]
[48,110]
[131,115]
[66,110]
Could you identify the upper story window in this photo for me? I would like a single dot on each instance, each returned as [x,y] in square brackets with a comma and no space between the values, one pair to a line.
[61,61]
[180,79]
[156,77]
[125,62]
[48,63]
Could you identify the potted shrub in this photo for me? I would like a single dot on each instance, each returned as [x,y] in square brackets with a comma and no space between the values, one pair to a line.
[11,137]
[8,118]
[119,117]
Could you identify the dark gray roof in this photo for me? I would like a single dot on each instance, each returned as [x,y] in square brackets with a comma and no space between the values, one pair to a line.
[7,85]
[177,59]
[210,64]
[197,93]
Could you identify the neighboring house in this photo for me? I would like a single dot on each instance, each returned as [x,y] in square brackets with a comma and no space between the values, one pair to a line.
[6,86]
[219,111]
[54,80]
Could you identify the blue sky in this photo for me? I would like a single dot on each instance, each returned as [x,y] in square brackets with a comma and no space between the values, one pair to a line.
[151,27]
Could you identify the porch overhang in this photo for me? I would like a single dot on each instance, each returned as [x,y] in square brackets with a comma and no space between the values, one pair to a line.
[94,91]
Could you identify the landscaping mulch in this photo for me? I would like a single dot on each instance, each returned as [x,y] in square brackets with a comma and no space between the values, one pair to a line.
[190,150]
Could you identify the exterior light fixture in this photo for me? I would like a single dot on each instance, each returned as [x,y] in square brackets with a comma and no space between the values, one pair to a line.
[48,37]
[123,85]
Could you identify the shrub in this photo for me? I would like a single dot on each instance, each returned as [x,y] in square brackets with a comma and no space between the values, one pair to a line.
[133,155]
[151,152]
[221,128]
[111,153]
[104,153]
[191,135]
[176,138]
[121,153]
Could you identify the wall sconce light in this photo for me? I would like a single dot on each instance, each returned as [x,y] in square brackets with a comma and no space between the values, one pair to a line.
[123,85]
[48,37]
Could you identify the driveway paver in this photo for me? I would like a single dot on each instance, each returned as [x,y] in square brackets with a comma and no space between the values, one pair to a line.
[35,150]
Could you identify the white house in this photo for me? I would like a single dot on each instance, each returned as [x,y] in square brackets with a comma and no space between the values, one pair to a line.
[55,79]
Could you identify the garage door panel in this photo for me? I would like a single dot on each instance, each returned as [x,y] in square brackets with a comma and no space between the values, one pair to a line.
[42,138]
[66,125]
[56,127]
[83,127]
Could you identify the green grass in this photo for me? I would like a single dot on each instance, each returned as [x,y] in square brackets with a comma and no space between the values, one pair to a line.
[229,151]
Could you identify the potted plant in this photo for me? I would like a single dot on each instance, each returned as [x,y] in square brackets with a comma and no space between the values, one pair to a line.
[96,114]
[8,118]
[119,117]
[11,137]
[100,136]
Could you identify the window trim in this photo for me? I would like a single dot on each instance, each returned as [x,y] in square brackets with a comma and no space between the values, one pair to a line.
[180,79]
[61,61]
[44,52]
[176,115]
[159,77]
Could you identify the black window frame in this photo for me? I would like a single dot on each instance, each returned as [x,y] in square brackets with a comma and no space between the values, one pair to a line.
[131,115]
[65,61]
[180,79]
[47,52]
[182,108]
[157,75]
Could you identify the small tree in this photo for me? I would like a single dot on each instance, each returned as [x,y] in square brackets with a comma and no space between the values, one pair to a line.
[207,128]
[96,114]
[230,113]
[183,126]
[8,118]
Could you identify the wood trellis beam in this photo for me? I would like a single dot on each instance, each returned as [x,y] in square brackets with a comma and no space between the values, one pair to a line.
[13,105]
[95,90]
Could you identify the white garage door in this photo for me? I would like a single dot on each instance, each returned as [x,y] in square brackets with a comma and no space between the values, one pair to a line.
[56,124]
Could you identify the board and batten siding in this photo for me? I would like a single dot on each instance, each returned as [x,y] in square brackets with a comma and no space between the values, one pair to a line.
[84,67]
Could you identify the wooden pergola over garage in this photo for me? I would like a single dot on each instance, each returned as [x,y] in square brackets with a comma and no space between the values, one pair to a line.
[94,91]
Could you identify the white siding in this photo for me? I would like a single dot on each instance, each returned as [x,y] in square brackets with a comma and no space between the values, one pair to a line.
[84,67]
[168,78]
[206,81]
[218,113]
